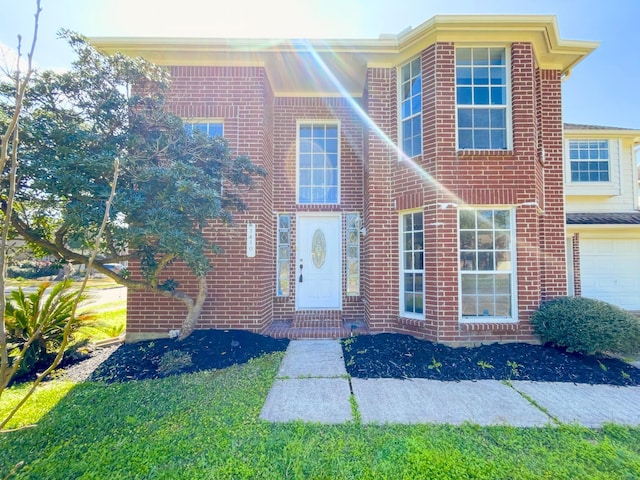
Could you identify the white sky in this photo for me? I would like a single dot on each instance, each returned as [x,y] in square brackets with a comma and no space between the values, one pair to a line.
[603,90]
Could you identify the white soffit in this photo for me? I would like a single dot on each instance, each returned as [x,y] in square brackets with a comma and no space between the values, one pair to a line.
[335,67]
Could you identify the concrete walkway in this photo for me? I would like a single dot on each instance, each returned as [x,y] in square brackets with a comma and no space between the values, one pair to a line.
[312,385]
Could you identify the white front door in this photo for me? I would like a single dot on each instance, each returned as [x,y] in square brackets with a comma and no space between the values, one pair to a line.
[319,262]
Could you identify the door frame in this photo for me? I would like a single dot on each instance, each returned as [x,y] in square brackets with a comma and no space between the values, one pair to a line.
[338,217]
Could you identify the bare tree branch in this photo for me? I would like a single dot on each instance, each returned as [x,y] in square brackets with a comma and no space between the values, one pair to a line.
[70,321]
[11,135]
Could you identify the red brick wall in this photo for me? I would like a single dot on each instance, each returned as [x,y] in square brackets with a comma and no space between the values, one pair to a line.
[552,234]
[239,287]
[377,183]
[484,178]
[575,262]
[287,112]
[380,245]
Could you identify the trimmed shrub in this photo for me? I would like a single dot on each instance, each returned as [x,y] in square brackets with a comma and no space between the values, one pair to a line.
[587,326]
[33,270]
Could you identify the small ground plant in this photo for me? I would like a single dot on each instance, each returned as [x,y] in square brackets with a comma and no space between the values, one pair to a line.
[514,368]
[174,361]
[587,326]
[434,365]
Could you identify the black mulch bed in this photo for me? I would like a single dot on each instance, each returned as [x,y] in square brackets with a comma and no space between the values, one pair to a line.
[206,350]
[370,356]
[402,356]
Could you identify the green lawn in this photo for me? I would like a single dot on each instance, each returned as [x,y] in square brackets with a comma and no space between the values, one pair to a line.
[111,319]
[93,283]
[206,425]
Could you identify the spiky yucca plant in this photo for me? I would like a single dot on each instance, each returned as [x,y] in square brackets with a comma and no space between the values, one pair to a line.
[40,318]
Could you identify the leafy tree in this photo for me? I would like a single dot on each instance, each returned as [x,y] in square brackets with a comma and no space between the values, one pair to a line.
[42,320]
[171,185]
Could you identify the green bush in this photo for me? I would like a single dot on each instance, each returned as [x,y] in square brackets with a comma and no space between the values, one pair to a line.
[587,326]
[33,270]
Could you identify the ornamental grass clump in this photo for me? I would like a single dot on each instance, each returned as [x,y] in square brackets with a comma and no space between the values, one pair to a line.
[587,326]
[174,361]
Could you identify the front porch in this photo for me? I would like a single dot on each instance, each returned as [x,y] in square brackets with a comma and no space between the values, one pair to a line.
[307,325]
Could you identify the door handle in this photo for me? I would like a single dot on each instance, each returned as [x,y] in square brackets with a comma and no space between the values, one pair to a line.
[300,278]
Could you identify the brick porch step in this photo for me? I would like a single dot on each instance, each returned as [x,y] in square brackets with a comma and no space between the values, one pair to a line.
[331,329]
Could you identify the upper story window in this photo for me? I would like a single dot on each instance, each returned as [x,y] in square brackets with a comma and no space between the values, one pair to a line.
[589,160]
[481,98]
[411,108]
[213,129]
[318,163]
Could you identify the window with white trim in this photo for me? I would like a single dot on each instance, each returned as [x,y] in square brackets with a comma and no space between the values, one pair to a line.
[486,263]
[482,98]
[353,254]
[589,160]
[318,163]
[411,107]
[283,255]
[213,129]
[412,264]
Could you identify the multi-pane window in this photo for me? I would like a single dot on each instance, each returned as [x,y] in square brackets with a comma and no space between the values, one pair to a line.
[318,163]
[412,258]
[481,97]
[411,107]
[213,129]
[283,255]
[486,263]
[589,160]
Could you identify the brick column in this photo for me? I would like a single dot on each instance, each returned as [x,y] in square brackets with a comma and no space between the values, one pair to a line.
[577,279]
[380,245]
[552,233]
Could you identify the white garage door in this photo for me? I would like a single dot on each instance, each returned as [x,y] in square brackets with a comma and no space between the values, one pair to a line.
[610,271]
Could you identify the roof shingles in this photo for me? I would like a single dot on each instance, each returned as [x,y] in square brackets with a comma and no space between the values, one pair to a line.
[631,218]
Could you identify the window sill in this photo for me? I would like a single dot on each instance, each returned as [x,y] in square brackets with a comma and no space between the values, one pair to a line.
[485,153]
[411,321]
[477,324]
[403,157]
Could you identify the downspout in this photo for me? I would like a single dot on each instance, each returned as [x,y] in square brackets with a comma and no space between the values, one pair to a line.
[635,154]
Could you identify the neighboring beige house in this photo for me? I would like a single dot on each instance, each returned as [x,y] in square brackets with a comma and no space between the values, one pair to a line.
[603,214]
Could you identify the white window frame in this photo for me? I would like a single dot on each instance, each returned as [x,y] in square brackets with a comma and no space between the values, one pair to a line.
[572,160]
[513,284]
[332,122]
[353,224]
[507,106]
[281,247]
[401,266]
[205,121]
[401,119]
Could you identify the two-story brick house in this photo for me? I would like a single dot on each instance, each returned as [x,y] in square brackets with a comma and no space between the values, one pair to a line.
[603,214]
[414,182]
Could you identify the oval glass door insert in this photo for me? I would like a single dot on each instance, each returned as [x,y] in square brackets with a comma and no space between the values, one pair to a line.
[318,248]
